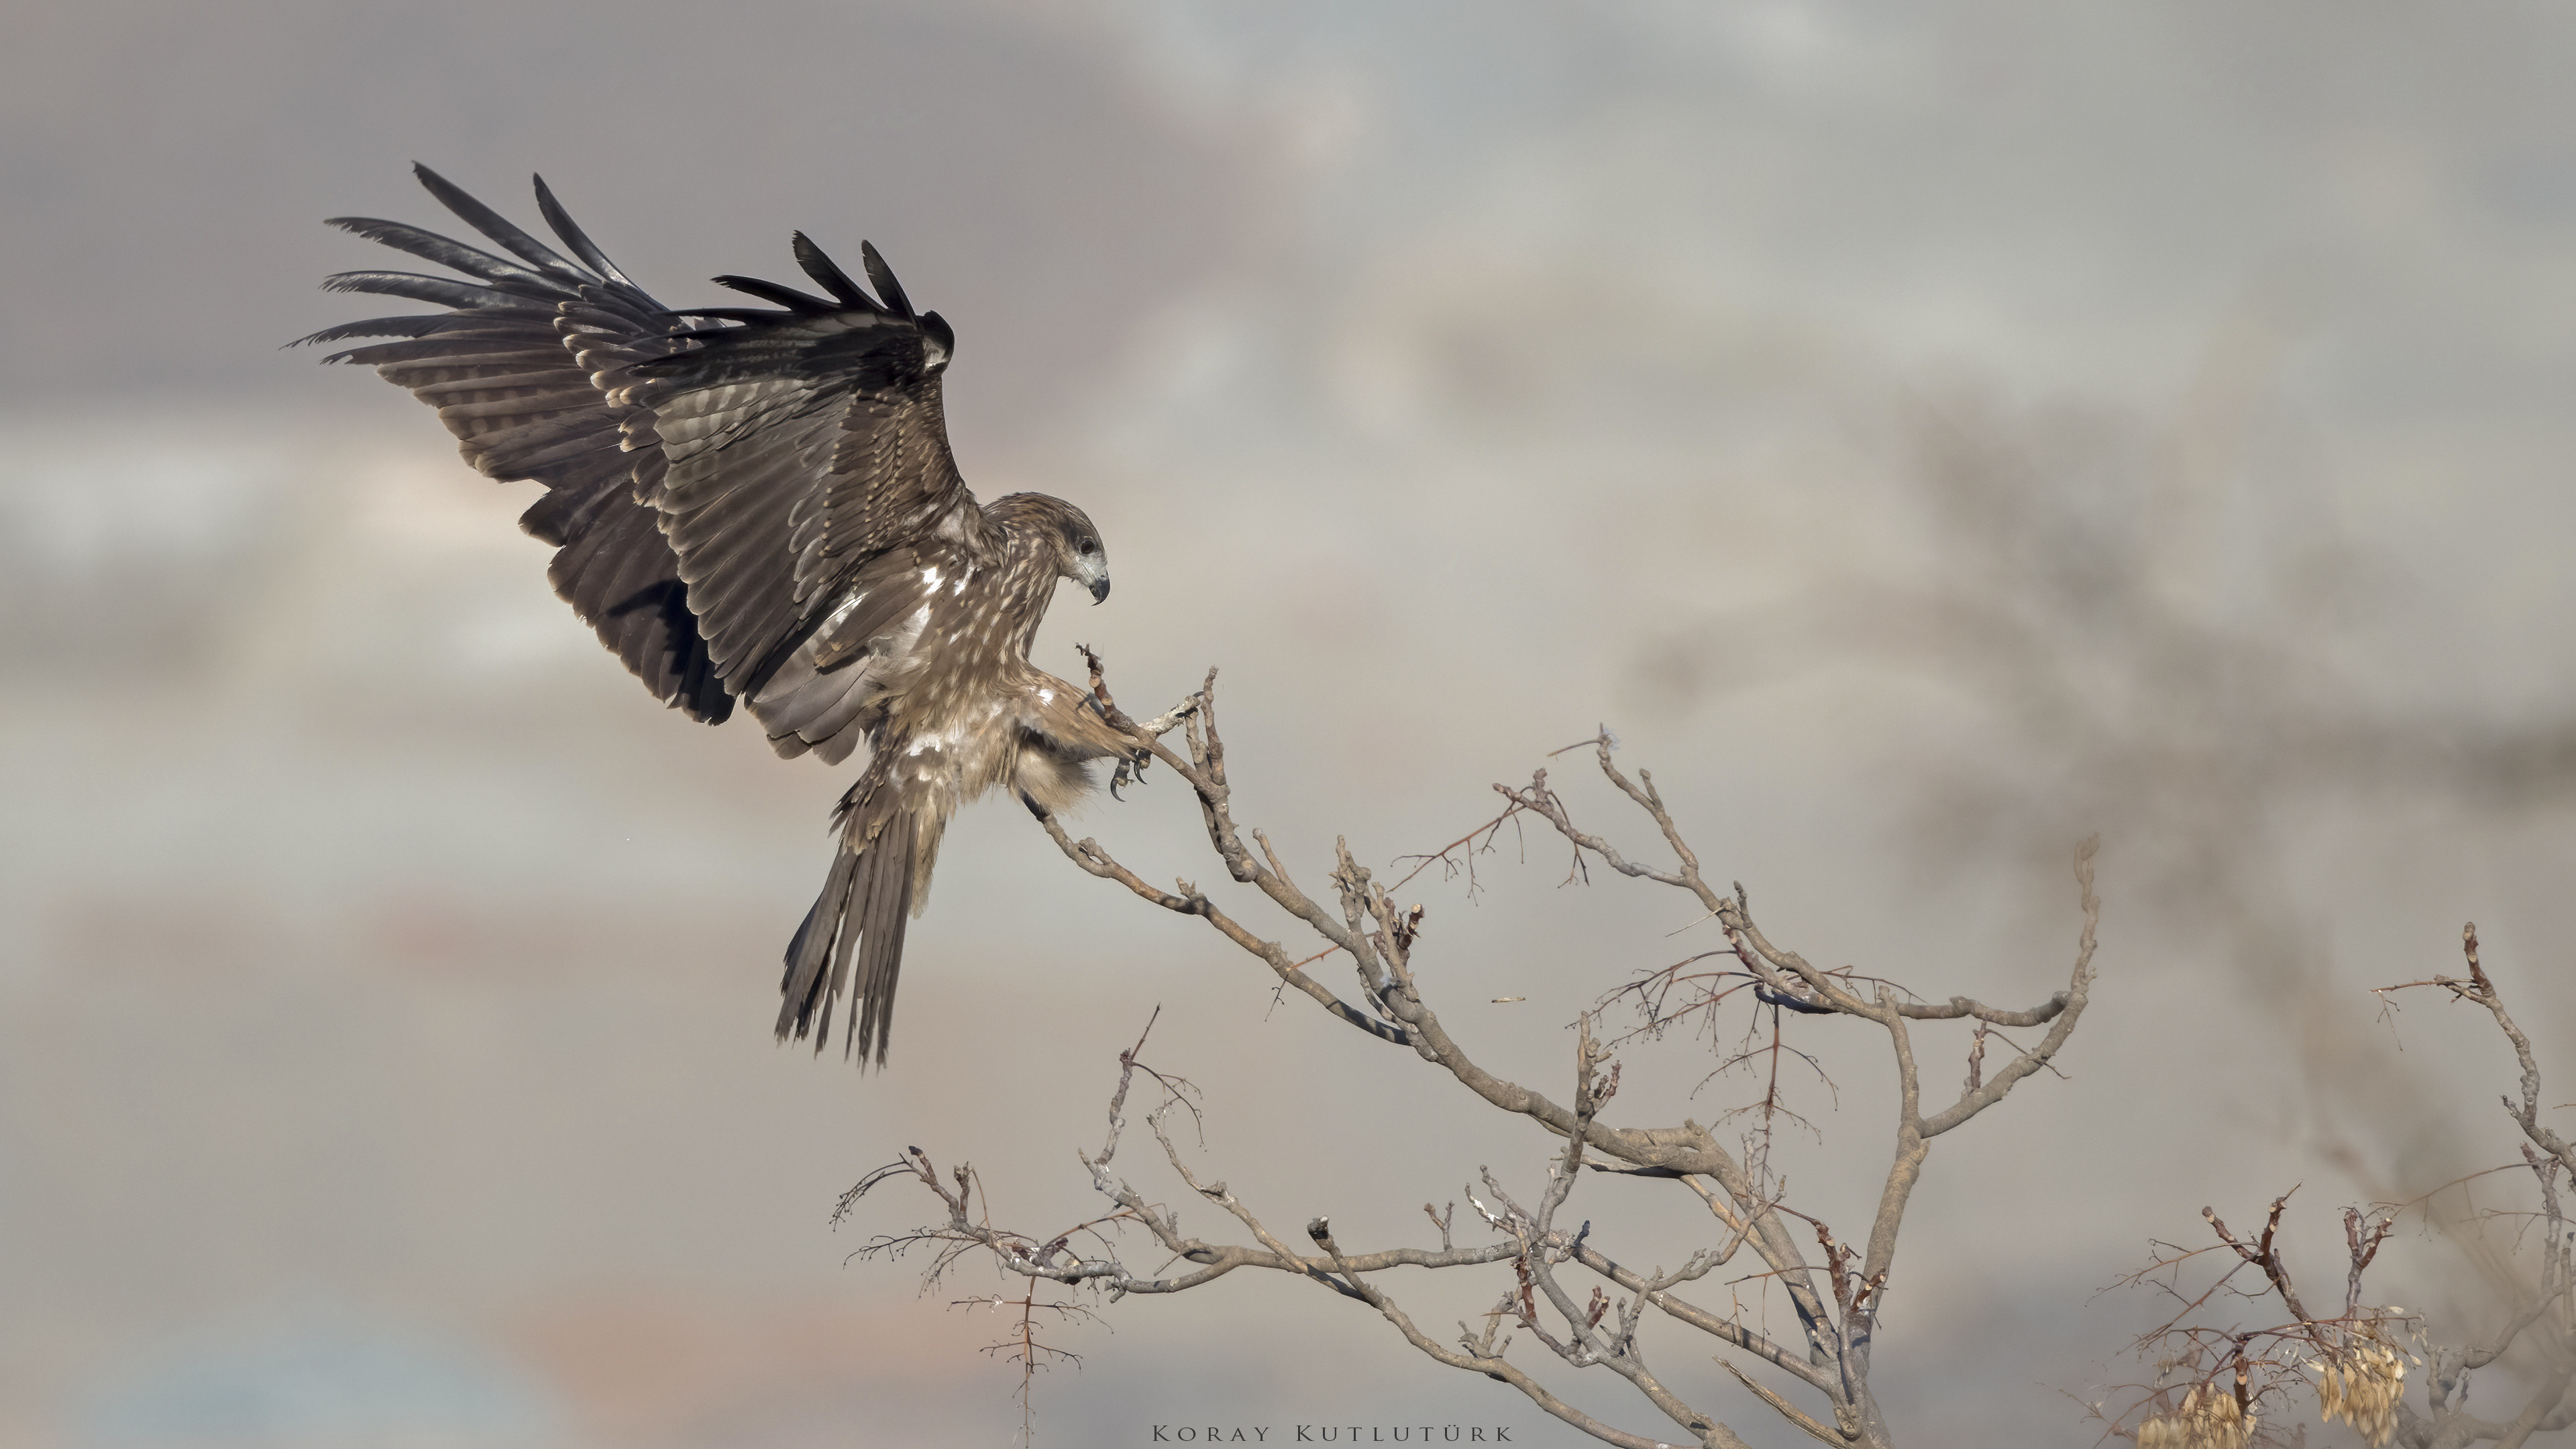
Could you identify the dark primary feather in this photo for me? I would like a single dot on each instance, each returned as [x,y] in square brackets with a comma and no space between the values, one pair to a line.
[802,303]
[443,291]
[492,224]
[573,236]
[430,246]
[828,272]
[883,275]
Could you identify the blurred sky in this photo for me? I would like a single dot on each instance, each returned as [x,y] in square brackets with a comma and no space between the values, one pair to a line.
[1929,434]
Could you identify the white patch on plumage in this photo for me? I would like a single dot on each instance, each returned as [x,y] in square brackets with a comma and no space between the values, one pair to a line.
[841,613]
[930,578]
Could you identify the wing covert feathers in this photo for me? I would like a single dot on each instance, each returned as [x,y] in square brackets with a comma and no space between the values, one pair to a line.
[803,445]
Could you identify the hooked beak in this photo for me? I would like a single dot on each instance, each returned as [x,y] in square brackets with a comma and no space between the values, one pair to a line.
[1100,590]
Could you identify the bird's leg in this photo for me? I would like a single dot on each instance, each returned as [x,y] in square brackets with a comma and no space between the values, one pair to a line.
[1131,768]
[1170,719]
[1099,682]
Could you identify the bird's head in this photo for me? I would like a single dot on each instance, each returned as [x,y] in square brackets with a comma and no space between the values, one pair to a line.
[1081,558]
[1059,530]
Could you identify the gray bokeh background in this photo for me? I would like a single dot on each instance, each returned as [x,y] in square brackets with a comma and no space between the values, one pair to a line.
[1928,435]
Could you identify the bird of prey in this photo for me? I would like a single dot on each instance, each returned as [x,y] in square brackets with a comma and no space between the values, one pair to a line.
[760,505]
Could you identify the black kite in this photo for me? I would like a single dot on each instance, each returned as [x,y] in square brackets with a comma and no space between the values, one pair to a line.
[761,505]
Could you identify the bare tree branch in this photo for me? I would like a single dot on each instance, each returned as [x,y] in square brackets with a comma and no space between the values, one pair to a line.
[1834,1296]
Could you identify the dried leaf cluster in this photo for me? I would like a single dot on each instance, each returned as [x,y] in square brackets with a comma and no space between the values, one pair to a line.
[2362,1385]
[2210,1418]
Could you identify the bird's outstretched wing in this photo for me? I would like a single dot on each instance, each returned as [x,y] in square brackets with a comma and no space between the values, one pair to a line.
[522,371]
[807,453]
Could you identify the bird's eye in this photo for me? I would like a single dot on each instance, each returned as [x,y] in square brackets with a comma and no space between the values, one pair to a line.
[1087,545]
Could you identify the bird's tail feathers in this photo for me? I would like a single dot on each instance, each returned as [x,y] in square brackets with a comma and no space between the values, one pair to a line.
[856,930]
